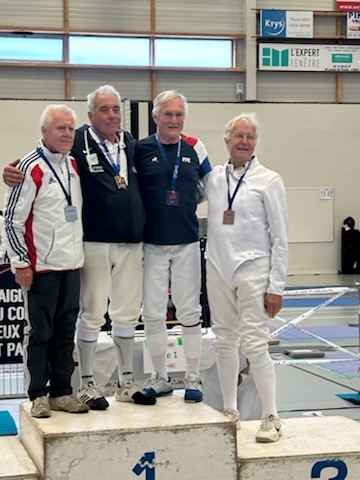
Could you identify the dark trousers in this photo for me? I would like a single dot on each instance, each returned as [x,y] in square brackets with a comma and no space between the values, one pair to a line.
[52,308]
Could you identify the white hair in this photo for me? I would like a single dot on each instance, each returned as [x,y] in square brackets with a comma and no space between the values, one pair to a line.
[246,118]
[166,96]
[103,90]
[46,118]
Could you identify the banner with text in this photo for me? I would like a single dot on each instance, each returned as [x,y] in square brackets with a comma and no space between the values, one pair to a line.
[348,6]
[286,24]
[12,316]
[309,58]
[353,25]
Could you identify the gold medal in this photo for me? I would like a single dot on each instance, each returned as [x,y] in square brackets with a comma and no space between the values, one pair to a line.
[120,182]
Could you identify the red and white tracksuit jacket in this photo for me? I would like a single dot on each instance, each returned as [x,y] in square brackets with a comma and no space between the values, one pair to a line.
[36,230]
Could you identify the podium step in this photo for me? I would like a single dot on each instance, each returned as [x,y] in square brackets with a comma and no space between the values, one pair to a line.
[316,447]
[15,462]
[170,440]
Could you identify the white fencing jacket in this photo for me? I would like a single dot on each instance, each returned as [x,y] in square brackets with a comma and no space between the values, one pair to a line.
[260,223]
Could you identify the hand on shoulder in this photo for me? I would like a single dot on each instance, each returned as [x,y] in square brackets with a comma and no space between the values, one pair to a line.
[12,176]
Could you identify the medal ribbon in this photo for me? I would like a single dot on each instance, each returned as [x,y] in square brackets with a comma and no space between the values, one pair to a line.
[173,178]
[232,197]
[115,165]
[67,195]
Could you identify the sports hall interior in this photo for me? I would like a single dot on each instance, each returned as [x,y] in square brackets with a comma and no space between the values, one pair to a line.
[309,133]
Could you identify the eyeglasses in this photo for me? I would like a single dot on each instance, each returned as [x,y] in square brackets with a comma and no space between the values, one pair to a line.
[242,136]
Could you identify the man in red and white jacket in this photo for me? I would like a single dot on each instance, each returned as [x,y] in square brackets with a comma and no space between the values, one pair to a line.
[43,230]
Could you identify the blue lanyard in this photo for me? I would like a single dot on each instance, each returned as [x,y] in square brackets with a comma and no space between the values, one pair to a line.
[115,165]
[232,197]
[67,195]
[165,158]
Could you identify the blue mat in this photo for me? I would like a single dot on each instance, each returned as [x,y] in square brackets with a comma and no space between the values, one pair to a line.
[328,332]
[331,332]
[7,424]
[345,369]
[350,397]
[302,302]
[349,368]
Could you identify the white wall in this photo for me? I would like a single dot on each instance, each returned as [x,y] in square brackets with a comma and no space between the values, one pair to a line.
[311,145]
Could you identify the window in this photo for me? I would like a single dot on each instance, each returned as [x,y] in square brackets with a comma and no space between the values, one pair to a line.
[121,51]
[31,49]
[193,53]
[109,50]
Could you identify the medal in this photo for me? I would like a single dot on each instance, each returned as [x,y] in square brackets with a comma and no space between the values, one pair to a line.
[229,214]
[172,198]
[229,217]
[172,195]
[120,182]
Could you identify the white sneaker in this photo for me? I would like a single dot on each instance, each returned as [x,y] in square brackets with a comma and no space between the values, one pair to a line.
[133,392]
[270,430]
[156,386]
[193,388]
[68,403]
[40,407]
[233,415]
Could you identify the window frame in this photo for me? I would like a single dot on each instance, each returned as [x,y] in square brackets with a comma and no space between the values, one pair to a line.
[66,36]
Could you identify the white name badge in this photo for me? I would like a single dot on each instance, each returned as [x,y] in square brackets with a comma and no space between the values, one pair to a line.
[93,162]
[92,159]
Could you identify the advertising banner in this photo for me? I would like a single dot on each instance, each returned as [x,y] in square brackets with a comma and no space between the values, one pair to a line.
[348,6]
[309,58]
[353,25]
[12,316]
[286,24]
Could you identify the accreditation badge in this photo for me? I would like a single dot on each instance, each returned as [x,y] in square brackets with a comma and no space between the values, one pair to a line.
[70,213]
[93,162]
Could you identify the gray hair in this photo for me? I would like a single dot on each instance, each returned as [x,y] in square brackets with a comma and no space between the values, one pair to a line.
[249,119]
[166,96]
[46,118]
[103,90]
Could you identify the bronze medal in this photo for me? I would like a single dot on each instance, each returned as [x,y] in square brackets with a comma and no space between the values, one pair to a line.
[229,217]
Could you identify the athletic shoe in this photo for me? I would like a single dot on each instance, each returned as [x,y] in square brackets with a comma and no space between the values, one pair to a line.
[40,407]
[91,395]
[193,388]
[234,416]
[133,392]
[68,403]
[157,387]
[270,430]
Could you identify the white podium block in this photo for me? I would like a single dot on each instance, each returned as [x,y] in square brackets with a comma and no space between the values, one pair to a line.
[167,441]
[316,447]
[15,463]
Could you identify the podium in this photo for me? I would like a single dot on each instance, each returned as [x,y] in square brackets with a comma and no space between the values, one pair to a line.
[173,440]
